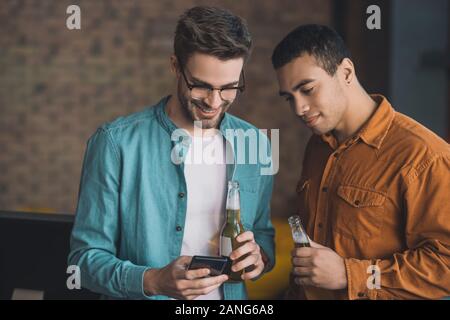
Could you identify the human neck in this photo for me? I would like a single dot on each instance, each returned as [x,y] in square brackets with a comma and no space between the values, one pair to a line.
[182,120]
[360,109]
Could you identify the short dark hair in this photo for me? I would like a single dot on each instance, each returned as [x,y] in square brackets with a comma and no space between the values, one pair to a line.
[212,31]
[321,42]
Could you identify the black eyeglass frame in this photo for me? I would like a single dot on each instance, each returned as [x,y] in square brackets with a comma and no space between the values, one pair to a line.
[191,86]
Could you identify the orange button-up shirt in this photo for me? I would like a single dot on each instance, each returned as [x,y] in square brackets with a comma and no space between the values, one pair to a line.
[381,201]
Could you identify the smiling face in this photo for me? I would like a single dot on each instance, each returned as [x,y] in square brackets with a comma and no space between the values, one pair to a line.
[318,98]
[207,71]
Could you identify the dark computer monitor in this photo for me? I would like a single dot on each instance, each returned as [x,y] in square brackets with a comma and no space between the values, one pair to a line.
[33,255]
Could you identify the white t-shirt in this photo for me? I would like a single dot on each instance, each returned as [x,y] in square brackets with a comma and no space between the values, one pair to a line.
[205,173]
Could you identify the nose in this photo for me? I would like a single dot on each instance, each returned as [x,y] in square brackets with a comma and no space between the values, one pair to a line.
[301,107]
[214,100]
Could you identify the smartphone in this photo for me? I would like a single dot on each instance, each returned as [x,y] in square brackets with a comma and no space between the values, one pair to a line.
[216,265]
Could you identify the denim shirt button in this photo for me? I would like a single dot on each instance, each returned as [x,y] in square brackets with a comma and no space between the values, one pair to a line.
[181,195]
[178,228]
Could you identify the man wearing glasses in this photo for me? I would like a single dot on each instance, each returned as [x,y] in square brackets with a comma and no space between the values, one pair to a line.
[147,204]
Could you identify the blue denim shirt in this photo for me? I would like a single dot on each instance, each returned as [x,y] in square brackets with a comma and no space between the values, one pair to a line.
[132,205]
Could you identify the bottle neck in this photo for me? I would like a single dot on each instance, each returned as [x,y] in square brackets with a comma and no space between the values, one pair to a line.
[233,203]
[233,200]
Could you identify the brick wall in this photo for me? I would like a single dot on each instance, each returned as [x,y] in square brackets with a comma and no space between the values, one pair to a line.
[57,86]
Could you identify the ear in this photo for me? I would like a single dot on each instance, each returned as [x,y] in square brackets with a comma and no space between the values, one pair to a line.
[348,71]
[174,65]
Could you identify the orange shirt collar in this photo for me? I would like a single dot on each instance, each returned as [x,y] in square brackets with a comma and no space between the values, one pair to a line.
[374,132]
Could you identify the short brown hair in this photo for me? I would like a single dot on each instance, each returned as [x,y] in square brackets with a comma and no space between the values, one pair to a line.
[213,31]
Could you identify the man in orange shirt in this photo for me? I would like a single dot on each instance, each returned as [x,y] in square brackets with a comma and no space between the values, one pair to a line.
[374,189]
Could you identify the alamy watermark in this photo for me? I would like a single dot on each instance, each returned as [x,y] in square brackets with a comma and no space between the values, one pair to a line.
[73,22]
[243,147]
[374,20]
[74,280]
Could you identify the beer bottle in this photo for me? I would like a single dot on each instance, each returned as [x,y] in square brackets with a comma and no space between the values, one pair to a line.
[298,232]
[232,227]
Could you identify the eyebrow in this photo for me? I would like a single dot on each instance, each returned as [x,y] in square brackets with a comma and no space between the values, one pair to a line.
[297,86]
[198,81]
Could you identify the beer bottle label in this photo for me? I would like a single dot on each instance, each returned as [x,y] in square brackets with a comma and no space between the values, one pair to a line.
[225,246]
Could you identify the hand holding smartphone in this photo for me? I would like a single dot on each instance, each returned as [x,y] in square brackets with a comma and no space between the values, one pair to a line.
[216,265]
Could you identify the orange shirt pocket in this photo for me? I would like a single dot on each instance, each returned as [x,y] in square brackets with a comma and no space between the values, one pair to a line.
[359,211]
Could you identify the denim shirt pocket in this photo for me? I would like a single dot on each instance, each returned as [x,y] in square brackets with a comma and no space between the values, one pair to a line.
[249,200]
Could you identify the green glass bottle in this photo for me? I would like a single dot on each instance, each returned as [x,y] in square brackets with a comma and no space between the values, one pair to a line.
[232,227]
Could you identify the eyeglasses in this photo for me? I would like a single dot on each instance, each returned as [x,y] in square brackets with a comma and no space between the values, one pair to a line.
[200,92]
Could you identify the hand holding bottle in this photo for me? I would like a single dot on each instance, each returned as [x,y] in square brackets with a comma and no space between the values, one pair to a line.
[247,256]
